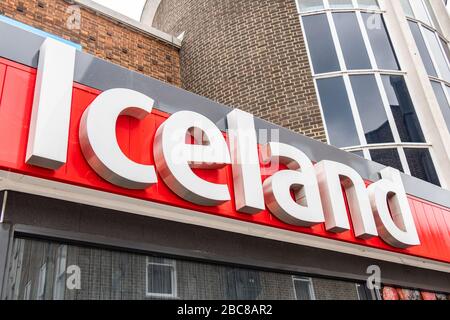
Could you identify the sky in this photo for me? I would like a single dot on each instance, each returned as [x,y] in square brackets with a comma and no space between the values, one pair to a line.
[130,8]
[133,8]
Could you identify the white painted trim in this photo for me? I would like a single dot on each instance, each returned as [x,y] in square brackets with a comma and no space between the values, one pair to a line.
[388,146]
[149,12]
[130,22]
[52,189]
[359,72]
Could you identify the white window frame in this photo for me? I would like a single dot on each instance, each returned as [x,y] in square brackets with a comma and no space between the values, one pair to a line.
[310,286]
[42,282]
[378,73]
[167,263]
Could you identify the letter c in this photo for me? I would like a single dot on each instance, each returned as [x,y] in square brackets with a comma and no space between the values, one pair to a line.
[99,142]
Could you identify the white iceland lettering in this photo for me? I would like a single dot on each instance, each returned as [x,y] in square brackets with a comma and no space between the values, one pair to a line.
[99,142]
[306,209]
[175,158]
[318,195]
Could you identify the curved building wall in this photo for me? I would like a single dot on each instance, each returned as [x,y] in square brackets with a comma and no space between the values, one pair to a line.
[246,54]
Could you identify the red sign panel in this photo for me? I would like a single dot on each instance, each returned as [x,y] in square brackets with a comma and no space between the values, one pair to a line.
[136,139]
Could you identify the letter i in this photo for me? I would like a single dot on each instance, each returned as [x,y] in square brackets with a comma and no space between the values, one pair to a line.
[50,119]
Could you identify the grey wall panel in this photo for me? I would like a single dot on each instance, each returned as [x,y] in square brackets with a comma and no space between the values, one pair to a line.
[43,217]
[23,47]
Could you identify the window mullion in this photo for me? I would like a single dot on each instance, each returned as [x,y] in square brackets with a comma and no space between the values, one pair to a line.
[327,135]
[441,46]
[413,5]
[437,169]
[387,108]
[430,52]
[367,154]
[365,36]
[446,93]
[355,112]
[337,44]
[404,160]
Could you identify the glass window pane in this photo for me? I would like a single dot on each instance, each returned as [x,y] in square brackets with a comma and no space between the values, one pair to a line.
[432,15]
[421,12]
[368,4]
[302,289]
[405,116]
[446,49]
[337,112]
[310,5]
[159,279]
[320,43]
[407,8]
[387,157]
[340,4]
[371,110]
[439,56]
[421,165]
[380,41]
[351,40]
[443,103]
[421,46]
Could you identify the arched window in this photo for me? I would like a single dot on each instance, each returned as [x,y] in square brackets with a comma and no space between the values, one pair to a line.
[433,48]
[362,90]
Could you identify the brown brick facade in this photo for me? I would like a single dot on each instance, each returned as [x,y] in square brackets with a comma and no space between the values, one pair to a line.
[246,54]
[101,36]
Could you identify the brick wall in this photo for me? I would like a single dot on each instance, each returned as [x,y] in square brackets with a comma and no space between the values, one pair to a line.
[246,54]
[101,36]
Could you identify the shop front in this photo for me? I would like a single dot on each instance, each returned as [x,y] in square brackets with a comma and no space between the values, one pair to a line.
[118,186]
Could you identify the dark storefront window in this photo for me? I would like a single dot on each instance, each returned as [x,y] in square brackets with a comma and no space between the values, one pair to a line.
[364,293]
[303,288]
[47,270]
[161,278]
[40,270]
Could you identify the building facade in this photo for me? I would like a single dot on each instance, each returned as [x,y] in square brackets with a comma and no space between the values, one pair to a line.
[292,62]
[76,224]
